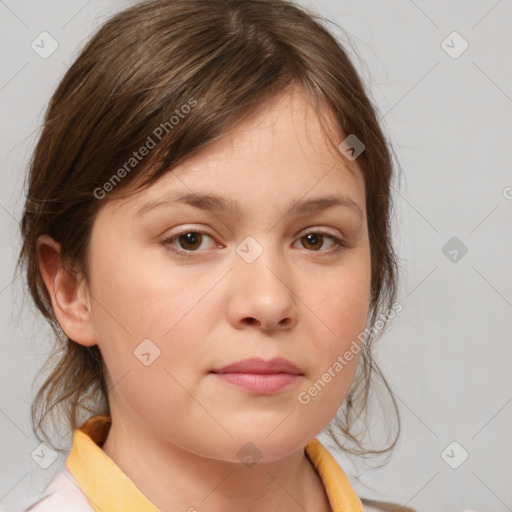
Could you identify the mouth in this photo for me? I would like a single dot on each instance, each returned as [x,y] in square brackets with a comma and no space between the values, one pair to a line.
[260,377]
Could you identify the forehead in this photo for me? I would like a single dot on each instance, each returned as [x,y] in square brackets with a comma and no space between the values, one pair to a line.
[280,151]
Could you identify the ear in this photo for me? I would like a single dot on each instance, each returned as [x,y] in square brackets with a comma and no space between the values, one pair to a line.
[68,293]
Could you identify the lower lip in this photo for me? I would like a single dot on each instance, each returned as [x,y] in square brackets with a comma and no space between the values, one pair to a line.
[258,383]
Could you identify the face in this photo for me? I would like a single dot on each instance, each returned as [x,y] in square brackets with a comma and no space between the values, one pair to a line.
[179,289]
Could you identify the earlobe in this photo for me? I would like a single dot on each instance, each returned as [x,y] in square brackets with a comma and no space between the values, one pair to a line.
[69,299]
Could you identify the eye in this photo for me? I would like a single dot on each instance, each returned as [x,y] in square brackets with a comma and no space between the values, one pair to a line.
[316,240]
[189,240]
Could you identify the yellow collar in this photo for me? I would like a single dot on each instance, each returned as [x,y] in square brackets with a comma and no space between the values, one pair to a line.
[102,481]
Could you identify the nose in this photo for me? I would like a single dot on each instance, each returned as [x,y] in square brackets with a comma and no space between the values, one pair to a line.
[262,293]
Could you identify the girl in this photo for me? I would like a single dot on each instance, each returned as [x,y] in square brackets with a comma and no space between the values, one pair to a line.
[207,231]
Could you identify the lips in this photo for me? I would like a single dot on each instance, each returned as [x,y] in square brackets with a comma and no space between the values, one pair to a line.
[260,377]
[260,366]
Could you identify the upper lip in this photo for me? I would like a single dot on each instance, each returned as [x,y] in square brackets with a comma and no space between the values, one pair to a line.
[257,365]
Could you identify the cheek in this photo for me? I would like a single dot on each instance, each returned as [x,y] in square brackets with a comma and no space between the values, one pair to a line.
[341,303]
[337,320]
[134,298]
[346,316]
[152,325]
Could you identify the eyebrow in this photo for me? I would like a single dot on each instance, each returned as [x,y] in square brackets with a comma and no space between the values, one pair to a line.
[215,203]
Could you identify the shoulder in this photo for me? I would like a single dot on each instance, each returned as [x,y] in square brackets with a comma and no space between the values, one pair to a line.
[61,494]
[383,506]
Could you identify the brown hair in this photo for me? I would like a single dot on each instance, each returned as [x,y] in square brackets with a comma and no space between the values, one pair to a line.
[131,82]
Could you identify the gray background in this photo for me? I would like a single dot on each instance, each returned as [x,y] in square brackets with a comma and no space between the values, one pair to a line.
[448,353]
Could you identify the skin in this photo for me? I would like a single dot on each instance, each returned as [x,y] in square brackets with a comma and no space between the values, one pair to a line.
[176,428]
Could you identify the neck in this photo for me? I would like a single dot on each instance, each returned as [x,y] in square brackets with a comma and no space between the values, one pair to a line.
[173,478]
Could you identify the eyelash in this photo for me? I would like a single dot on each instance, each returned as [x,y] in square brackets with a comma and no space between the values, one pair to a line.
[338,243]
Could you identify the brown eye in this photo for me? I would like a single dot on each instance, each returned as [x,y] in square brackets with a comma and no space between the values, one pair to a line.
[190,241]
[187,242]
[315,240]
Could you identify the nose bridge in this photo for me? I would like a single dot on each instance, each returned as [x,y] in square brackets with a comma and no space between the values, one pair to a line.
[263,282]
[260,258]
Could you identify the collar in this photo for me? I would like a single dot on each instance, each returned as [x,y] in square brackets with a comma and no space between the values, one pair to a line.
[100,478]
